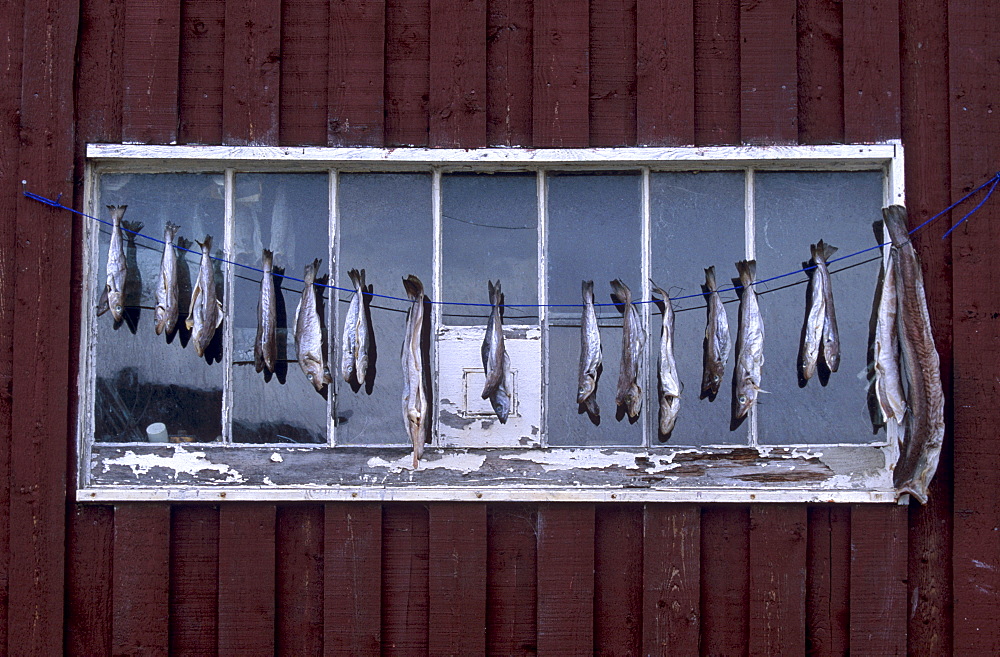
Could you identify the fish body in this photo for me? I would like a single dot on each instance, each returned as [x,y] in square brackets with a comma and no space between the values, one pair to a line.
[167,306]
[205,313]
[113,297]
[354,357]
[309,333]
[831,334]
[669,382]
[750,341]
[921,366]
[496,363]
[812,335]
[265,346]
[414,391]
[888,381]
[629,390]
[590,352]
[718,343]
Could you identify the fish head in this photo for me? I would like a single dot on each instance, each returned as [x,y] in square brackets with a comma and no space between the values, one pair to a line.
[116,303]
[746,395]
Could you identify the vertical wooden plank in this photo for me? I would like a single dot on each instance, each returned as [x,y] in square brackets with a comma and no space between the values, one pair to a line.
[194,579]
[100,83]
[725,580]
[511,580]
[665,72]
[671,580]
[458,74]
[407,71]
[716,72]
[871,71]
[352,579]
[203,28]
[252,73]
[457,579]
[565,578]
[878,580]
[509,72]
[246,579]
[141,580]
[618,580]
[561,92]
[778,535]
[828,558]
[299,580]
[768,75]
[89,554]
[820,30]
[305,42]
[613,73]
[152,41]
[356,97]
[405,604]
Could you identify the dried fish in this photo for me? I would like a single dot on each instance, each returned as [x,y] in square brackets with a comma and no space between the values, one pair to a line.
[265,346]
[750,341]
[812,334]
[831,334]
[113,297]
[496,363]
[888,381]
[309,332]
[205,313]
[590,353]
[629,391]
[670,384]
[718,343]
[414,390]
[167,306]
[924,424]
[354,357]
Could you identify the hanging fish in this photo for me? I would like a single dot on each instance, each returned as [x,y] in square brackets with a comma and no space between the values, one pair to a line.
[167,306]
[265,346]
[414,391]
[718,343]
[831,334]
[629,392]
[669,383]
[750,341]
[496,363]
[590,353]
[309,332]
[205,313]
[888,381]
[354,358]
[812,334]
[113,297]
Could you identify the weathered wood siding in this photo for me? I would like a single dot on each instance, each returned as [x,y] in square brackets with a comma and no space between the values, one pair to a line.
[573,579]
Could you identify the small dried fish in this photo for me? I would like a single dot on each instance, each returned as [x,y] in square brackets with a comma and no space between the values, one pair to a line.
[309,332]
[831,334]
[354,357]
[113,297]
[167,306]
[812,335]
[888,381]
[670,384]
[590,352]
[265,346]
[496,363]
[924,424]
[629,391]
[414,391]
[718,343]
[750,341]
[205,313]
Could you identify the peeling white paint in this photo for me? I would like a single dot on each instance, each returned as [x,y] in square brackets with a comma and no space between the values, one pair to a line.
[577,459]
[461,462]
[276,458]
[268,482]
[183,461]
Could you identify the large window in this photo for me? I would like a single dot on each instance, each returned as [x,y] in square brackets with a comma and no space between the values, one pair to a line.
[540,222]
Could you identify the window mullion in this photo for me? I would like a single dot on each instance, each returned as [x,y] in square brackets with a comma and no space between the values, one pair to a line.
[438,309]
[750,242]
[652,342]
[332,305]
[543,277]
[229,284]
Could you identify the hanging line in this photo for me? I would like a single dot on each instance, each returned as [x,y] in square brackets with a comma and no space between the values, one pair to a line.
[992,183]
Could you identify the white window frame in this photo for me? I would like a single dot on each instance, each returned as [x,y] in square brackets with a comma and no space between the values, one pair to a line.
[213,472]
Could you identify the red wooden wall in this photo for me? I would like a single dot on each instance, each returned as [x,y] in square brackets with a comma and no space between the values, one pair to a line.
[467,579]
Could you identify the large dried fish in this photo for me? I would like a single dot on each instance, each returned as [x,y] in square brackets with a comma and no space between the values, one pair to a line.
[167,306]
[414,390]
[309,332]
[113,297]
[629,391]
[831,334]
[590,353]
[669,383]
[718,343]
[205,313]
[496,363]
[924,424]
[888,381]
[812,334]
[750,341]
[354,357]
[265,346]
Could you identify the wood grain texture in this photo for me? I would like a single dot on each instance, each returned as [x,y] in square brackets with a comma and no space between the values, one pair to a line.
[778,541]
[356,84]
[565,579]
[828,563]
[407,71]
[299,582]
[194,579]
[152,41]
[509,72]
[100,82]
[560,96]
[768,73]
[878,580]
[716,72]
[141,580]
[246,579]
[511,579]
[352,579]
[613,73]
[618,579]
[725,580]
[665,73]
[457,102]
[820,30]
[252,73]
[457,579]
[871,71]
[305,45]
[405,596]
[89,555]
[671,580]
[203,28]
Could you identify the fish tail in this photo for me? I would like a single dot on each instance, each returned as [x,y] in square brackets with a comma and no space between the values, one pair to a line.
[826,250]
[267,257]
[710,279]
[895,224]
[747,270]
[206,246]
[310,272]
[591,405]
[133,227]
[357,279]
[659,291]
[621,291]
[496,296]
[117,212]
[414,288]
[588,291]
[170,232]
